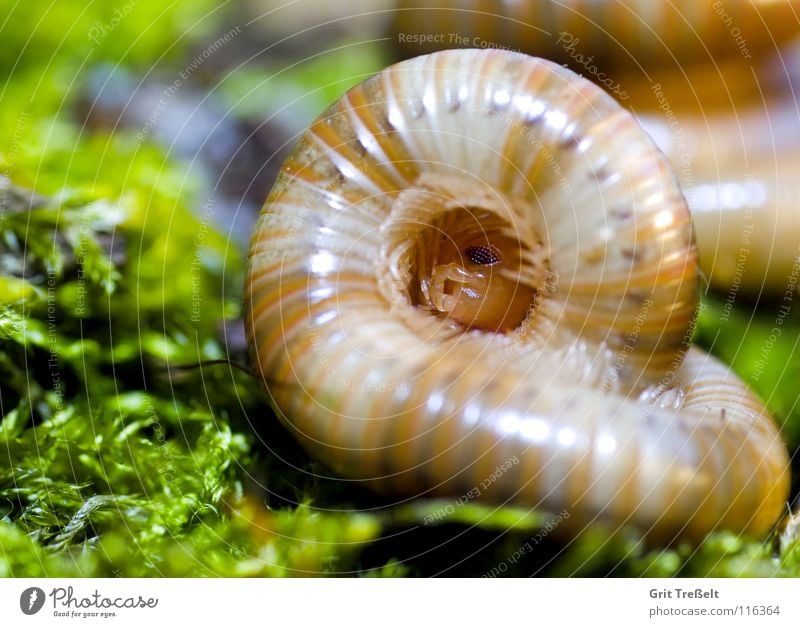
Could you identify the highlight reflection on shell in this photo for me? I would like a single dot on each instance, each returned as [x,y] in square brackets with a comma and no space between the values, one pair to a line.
[383,299]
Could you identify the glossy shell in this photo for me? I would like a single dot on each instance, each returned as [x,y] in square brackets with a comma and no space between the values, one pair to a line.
[593,402]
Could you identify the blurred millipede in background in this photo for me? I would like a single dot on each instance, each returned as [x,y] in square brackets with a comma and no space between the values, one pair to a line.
[477,256]
[632,33]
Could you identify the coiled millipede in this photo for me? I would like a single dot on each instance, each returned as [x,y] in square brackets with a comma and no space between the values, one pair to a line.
[478,260]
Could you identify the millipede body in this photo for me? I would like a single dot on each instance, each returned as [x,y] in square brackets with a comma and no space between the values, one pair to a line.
[478,257]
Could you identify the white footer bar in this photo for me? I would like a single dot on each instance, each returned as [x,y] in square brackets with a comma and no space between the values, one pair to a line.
[401,602]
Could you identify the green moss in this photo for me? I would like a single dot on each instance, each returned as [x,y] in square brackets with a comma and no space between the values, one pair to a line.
[297,92]
[131,32]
